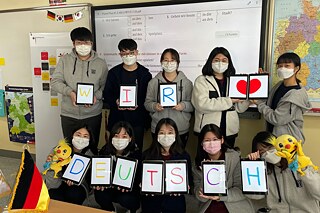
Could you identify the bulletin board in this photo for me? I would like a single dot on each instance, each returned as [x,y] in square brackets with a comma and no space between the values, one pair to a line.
[16,68]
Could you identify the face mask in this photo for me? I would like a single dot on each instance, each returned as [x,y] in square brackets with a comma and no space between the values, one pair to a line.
[212,147]
[80,143]
[169,66]
[271,157]
[220,67]
[83,50]
[120,143]
[129,60]
[166,140]
[285,73]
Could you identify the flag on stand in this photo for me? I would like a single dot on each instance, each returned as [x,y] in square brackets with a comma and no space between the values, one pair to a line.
[30,194]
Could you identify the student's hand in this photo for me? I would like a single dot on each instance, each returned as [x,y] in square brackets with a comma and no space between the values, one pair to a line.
[235,100]
[152,195]
[254,155]
[253,101]
[49,158]
[69,183]
[217,198]
[261,71]
[179,107]
[132,108]
[158,107]
[175,195]
[73,97]
[122,190]
[90,105]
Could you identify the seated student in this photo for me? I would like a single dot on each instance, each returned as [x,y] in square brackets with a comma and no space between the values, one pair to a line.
[121,144]
[287,191]
[166,146]
[82,142]
[211,146]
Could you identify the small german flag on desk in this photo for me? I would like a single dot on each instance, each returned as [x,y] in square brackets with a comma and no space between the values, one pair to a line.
[30,194]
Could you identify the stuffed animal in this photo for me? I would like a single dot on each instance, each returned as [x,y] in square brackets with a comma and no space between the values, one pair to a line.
[288,147]
[61,157]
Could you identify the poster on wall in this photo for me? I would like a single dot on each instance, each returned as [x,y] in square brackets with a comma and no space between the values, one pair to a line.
[46,50]
[20,112]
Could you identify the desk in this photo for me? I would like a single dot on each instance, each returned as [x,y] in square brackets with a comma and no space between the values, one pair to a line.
[63,207]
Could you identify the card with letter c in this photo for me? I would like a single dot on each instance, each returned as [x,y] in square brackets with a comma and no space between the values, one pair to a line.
[214,178]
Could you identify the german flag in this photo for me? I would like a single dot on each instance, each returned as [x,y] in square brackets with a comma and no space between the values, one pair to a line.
[68,18]
[30,194]
[51,15]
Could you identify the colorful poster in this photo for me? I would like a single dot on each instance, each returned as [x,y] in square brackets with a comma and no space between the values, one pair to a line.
[19,103]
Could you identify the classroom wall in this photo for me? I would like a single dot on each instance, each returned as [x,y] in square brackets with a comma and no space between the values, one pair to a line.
[249,127]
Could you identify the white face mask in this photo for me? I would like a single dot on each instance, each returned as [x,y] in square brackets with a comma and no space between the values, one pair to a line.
[271,157]
[169,66]
[285,73]
[120,143]
[83,49]
[80,143]
[220,67]
[129,60]
[166,140]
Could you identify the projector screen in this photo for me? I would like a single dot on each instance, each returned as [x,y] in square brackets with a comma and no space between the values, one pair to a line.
[192,28]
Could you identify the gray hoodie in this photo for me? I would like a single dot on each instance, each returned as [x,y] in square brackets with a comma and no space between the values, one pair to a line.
[181,118]
[287,118]
[71,70]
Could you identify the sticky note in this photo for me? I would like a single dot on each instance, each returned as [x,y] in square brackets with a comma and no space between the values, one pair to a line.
[54,101]
[2,62]
[52,61]
[45,76]
[37,71]
[44,55]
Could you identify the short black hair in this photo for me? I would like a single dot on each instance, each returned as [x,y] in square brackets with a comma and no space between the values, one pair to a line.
[290,57]
[174,54]
[127,44]
[207,68]
[154,152]
[109,149]
[262,138]
[81,34]
[201,154]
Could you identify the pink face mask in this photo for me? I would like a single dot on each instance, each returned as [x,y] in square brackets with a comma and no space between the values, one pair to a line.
[212,147]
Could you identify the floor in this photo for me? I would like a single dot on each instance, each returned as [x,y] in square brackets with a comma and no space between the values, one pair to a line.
[9,167]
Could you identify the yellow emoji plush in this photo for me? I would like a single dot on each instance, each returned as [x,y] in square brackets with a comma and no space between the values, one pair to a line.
[61,157]
[288,147]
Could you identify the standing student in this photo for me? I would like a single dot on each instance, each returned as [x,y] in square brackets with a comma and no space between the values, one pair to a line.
[121,144]
[130,72]
[211,146]
[210,100]
[166,146]
[287,191]
[82,65]
[83,143]
[181,113]
[287,101]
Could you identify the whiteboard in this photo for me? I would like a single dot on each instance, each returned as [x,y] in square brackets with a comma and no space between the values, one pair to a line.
[193,29]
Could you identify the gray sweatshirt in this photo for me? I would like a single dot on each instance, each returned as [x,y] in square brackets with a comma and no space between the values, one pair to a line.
[71,70]
[184,91]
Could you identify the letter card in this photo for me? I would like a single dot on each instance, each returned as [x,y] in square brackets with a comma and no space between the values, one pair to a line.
[128,96]
[77,168]
[152,177]
[214,178]
[101,170]
[125,172]
[176,180]
[168,94]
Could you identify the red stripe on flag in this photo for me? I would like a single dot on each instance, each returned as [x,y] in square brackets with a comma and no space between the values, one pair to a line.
[34,190]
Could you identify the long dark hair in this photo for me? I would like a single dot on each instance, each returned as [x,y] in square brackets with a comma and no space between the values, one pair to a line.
[290,58]
[108,148]
[207,68]
[154,151]
[92,145]
[201,154]
[263,138]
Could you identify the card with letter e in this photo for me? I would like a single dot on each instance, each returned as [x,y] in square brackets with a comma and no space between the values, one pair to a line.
[128,96]
[85,94]
[77,168]
[168,94]
[176,173]
[254,176]
[214,178]
[124,173]
[152,177]
[101,170]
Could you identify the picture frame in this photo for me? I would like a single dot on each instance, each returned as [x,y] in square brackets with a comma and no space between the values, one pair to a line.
[128,96]
[152,177]
[258,86]
[176,177]
[101,170]
[254,176]
[168,94]
[77,168]
[214,178]
[121,179]
[85,94]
